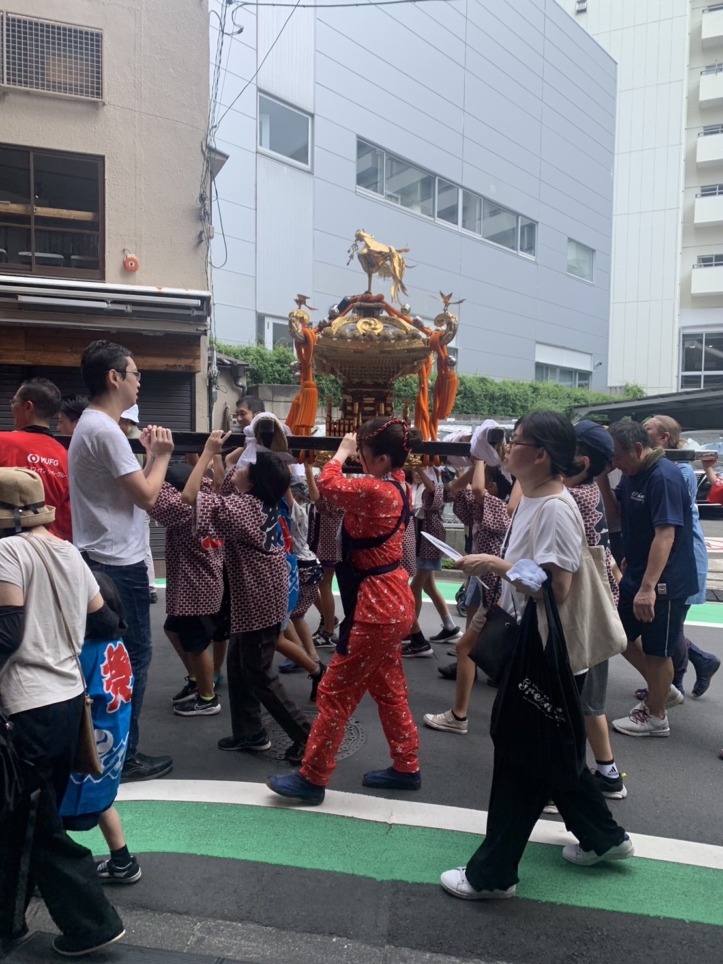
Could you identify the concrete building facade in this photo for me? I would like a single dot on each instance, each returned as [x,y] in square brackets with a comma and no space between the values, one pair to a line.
[478,133]
[103,121]
[666,329]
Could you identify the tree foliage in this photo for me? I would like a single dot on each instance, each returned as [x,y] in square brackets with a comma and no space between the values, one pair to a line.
[477,394]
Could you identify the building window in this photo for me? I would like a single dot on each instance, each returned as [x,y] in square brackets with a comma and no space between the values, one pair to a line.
[369,168]
[710,260]
[447,202]
[55,58]
[472,213]
[399,182]
[528,237]
[273,332]
[51,213]
[408,186]
[499,225]
[284,131]
[580,260]
[569,377]
[702,360]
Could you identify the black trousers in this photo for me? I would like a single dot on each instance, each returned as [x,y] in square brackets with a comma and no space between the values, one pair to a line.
[517,800]
[64,871]
[252,681]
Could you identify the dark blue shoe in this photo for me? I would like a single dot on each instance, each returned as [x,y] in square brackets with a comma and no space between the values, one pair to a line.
[289,666]
[391,779]
[704,670]
[296,787]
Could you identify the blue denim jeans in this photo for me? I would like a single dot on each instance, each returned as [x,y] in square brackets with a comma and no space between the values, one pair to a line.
[132,585]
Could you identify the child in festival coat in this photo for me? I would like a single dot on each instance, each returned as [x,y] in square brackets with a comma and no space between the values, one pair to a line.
[379,609]
[88,800]
[194,592]
[245,516]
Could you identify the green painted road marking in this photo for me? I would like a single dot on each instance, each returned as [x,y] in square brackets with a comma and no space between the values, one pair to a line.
[709,614]
[319,841]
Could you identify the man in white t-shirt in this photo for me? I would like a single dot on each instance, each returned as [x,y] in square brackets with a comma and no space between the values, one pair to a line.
[41,693]
[109,496]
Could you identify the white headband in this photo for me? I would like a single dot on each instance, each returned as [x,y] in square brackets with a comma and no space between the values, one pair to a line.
[481,448]
[248,456]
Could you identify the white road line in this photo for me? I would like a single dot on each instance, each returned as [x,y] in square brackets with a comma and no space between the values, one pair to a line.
[403,812]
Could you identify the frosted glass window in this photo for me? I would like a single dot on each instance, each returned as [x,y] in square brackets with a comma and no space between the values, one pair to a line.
[580,260]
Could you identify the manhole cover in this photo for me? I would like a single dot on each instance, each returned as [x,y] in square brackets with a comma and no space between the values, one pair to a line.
[354,737]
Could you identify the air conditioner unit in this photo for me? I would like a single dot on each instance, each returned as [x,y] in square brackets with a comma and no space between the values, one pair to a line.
[580,6]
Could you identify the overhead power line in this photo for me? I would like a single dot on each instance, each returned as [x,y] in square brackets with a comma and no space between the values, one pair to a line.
[330,6]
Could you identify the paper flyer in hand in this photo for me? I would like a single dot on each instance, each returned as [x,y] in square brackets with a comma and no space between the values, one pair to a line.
[443,547]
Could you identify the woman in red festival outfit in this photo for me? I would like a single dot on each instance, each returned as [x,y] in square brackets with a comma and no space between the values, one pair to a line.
[378,612]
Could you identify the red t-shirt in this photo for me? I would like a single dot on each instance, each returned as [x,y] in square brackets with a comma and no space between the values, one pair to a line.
[44,455]
[716,492]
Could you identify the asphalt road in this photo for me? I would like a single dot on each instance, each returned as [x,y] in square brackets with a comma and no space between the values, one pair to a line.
[252,884]
[674,792]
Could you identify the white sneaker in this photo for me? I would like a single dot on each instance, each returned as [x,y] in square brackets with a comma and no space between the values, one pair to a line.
[641,723]
[586,858]
[455,883]
[675,698]
[445,721]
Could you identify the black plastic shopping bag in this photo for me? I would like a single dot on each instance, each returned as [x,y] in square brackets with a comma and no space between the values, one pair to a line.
[537,720]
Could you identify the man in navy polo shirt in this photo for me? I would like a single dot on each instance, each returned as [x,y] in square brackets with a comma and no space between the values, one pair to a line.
[659,573]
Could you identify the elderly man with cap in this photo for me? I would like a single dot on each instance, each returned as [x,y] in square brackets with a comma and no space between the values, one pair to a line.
[130,422]
[46,593]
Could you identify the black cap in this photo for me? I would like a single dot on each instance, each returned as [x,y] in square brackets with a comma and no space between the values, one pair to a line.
[595,437]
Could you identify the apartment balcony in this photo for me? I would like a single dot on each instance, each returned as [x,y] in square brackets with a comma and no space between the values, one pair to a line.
[709,209]
[711,87]
[706,280]
[709,147]
[712,28]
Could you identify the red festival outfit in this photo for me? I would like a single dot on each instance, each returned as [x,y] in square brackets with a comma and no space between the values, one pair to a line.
[382,617]
[35,448]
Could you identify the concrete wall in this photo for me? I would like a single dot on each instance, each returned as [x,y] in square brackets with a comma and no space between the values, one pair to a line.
[698,313]
[509,100]
[650,43]
[150,129]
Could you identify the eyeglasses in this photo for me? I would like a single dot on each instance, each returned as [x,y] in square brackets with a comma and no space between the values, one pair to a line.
[128,371]
[513,442]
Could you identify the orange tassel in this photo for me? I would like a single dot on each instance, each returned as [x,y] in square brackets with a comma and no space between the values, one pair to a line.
[302,416]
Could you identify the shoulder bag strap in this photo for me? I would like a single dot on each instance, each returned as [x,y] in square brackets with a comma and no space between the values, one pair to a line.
[30,540]
[506,540]
[578,519]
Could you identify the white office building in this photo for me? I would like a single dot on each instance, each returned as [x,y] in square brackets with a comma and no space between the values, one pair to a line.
[666,324]
[478,133]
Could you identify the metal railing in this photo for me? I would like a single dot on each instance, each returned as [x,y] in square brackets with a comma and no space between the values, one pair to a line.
[713,69]
[711,129]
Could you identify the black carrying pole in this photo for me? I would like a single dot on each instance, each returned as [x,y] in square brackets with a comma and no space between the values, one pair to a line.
[193,442]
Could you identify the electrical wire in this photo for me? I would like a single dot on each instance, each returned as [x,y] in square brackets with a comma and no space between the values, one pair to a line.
[329,6]
[256,72]
[216,267]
